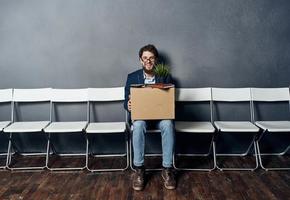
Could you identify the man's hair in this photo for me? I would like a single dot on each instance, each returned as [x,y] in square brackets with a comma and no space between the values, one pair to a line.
[149,47]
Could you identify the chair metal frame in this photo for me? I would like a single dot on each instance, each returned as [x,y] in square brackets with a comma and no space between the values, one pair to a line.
[67,96]
[235,95]
[270,95]
[6,96]
[107,95]
[38,95]
[197,95]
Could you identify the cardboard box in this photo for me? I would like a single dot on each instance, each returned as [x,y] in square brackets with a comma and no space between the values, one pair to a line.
[152,102]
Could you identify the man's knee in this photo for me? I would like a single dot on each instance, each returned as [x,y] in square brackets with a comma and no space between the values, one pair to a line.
[166,124]
[139,125]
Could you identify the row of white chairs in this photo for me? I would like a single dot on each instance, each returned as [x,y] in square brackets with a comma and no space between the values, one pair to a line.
[50,127]
[214,127]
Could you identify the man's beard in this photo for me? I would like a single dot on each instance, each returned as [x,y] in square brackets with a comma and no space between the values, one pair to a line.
[151,71]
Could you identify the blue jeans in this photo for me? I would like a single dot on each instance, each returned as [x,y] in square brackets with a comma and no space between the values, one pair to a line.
[167,136]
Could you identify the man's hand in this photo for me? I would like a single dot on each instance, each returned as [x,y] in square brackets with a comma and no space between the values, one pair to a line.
[129,104]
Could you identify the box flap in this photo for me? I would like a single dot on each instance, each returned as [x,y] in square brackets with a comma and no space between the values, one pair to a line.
[137,85]
[157,85]
[161,85]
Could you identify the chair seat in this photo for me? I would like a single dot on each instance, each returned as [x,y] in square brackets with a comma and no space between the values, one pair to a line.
[194,127]
[236,126]
[106,127]
[63,127]
[274,126]
[4,124]
[23,127]
[153,131]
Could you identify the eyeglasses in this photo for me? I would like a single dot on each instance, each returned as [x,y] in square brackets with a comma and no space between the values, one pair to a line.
[145,59]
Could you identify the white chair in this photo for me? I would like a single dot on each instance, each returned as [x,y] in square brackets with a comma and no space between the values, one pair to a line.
[271,96]
[5,97]
[96,95]
[245,128]
[67,96]
[200,128]
[31,96]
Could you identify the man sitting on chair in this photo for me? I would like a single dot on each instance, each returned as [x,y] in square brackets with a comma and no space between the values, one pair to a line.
[148,56]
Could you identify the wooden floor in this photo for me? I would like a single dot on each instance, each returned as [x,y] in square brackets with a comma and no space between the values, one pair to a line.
[84,185]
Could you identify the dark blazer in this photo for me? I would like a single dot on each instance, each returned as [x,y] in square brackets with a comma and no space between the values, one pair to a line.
[137,77]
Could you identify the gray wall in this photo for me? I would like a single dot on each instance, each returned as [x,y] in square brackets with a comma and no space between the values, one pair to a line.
[76,44]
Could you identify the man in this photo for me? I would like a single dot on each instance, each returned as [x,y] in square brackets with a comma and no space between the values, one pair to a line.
[148,56]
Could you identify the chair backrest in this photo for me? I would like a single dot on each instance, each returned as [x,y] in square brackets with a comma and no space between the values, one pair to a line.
[270,94]
[193,94]
[103,95]
[106,94]
[231,94]
[32,95]
[5,95]
[37,95]
[69,95]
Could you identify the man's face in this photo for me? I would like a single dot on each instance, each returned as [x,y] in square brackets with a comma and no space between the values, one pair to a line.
[148,61]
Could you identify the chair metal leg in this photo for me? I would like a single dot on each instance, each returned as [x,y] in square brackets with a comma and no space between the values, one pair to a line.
[260,155]
[239,154]
[64,155]
[87,152]
[252,144]
[277,154]
[47,151]
[211,148]
[214,155]
[67,168]
[268,168]
[110,155]
[9,158]
[272,154]
[7,155]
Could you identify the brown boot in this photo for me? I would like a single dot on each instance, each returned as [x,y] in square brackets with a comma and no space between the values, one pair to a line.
[138,179]
[168,178]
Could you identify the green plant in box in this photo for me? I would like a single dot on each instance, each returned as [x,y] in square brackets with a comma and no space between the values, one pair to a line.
[161,70]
